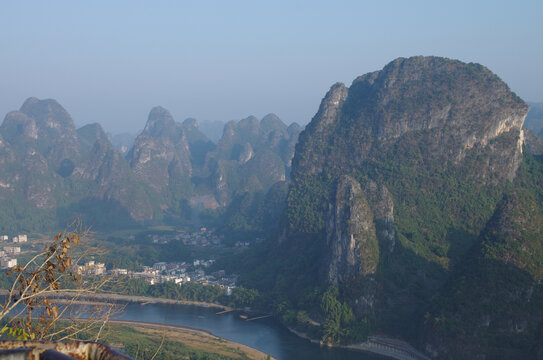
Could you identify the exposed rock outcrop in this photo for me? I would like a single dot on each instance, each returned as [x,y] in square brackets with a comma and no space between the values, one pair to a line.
[56,137]
[382,205]
[88,135]
[107,169]
[353,249]
[251,156]
[160,154]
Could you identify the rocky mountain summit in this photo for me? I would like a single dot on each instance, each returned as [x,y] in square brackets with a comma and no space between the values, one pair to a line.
[160,156]
[395,183]
[44,126]
[88,135]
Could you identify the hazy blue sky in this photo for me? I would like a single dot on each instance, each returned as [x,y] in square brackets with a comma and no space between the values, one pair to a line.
[111,61]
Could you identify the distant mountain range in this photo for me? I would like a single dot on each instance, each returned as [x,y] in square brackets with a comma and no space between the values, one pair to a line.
[50,171]
[410,206]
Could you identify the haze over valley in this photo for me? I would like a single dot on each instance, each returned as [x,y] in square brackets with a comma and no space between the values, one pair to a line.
[385,197]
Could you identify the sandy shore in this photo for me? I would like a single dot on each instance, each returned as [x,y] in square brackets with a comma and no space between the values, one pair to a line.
[175,332]
[392,350]
[184,334]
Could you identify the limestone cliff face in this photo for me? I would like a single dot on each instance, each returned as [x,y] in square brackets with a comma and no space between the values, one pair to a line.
[441,110]
[382,205]
[251,156]
[310,155]
[392,88]
[161,152]
[57,137]
[453,107]
[88,135]
[246,154]
[45,126]
[42,144]
[36,188]
[113,180]
[400,172]
[20,126]
[351,238]
[6,153]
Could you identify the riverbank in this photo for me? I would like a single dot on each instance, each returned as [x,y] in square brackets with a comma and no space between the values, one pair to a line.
[196,339]
[131,298]
[380,345]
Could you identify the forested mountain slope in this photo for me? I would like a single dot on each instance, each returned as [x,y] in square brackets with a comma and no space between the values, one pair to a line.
[404,185]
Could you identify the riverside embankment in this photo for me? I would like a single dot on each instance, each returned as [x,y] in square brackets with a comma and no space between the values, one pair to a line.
[128,298]
[265,335]
[381,345]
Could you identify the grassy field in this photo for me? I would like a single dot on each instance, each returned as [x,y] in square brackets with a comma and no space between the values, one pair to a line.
[142,341]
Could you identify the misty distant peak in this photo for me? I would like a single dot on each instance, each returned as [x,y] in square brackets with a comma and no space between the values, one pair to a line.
[271,117]
[160,122]
[272,122]
[251,121]
[190,123]
[90,134]
[29,102]
[294,128]
[48,113]
[95,129]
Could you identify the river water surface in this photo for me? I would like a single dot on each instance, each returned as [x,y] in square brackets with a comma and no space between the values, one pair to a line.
[265,335]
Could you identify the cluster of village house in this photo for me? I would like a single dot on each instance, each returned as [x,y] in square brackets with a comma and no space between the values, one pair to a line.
[177,272]
[6,255]
[204,237]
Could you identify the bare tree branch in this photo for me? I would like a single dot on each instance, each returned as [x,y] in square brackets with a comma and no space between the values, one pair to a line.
[48,275]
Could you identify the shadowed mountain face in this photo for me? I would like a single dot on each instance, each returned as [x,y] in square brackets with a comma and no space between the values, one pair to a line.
[89,134]
[393,183]
[251,155]
[178,162]
[123,142]
[199,143]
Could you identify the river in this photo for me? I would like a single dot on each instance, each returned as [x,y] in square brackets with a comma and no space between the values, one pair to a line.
[265,335]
